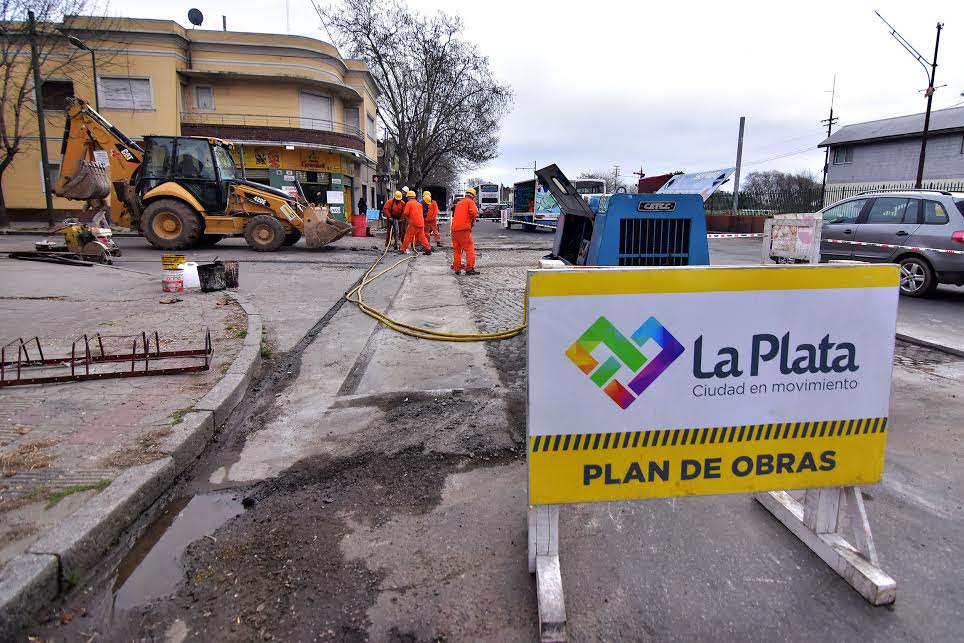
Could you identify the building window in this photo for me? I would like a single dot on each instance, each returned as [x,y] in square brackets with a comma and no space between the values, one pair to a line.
[843,154]
[371,127]
[352,124]
[185,103]
[54,93]
[315,111]
[53,169]
[126,93]
[204,98]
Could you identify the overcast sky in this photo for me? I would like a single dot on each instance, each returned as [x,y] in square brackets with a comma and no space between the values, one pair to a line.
[662,85]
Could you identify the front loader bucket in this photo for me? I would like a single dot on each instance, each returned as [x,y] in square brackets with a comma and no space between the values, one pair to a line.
[321,229]
[90,182]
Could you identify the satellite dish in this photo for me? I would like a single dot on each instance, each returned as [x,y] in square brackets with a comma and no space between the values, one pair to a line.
[196,17]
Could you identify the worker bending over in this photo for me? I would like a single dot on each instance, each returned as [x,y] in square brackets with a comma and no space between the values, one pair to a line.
[463,219]
[393,212]
[430,209]
[416,225]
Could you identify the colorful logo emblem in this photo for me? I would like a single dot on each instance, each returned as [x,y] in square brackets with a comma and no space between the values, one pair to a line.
[624,353]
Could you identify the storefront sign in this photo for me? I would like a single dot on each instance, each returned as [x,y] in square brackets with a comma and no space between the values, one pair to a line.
[690,381]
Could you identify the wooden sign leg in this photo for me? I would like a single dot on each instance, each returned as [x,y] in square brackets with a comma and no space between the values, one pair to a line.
[544,563]
[815,522]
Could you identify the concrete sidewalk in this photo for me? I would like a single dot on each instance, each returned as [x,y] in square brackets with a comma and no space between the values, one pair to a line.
[81,460]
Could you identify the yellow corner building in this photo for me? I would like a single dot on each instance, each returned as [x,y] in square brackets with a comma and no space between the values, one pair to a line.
[294,108]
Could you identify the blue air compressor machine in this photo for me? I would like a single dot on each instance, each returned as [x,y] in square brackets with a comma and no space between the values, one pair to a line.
[661,229]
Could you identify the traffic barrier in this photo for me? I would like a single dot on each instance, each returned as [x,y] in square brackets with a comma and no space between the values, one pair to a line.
[734,235]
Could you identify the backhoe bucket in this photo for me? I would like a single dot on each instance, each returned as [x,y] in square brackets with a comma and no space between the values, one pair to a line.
[321,229]
[90,182]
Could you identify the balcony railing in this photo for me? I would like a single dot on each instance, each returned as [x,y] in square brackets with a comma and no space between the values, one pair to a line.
[269,120]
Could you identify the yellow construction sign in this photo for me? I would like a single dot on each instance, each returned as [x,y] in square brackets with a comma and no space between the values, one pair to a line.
[649,383]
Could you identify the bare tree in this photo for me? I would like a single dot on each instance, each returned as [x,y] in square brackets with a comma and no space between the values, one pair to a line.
[440,101]
[18,115]
[609,176]
[776,181]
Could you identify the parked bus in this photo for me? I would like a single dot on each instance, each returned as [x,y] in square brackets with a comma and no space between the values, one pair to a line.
[487,198]
[589,187]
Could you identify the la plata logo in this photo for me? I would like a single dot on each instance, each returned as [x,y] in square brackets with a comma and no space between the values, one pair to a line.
[625,353]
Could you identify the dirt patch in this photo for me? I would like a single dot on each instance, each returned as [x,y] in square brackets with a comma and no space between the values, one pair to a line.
[145,451]
[27,457]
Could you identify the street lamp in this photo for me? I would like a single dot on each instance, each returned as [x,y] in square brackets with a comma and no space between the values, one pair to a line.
[77,42]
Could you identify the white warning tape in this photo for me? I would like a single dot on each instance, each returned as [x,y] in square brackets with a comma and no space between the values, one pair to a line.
[533,223]
[893,247]
[735,235]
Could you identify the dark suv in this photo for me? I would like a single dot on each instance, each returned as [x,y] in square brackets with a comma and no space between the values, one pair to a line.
[920,221]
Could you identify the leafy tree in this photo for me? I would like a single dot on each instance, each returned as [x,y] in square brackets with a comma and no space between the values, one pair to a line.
[440,102]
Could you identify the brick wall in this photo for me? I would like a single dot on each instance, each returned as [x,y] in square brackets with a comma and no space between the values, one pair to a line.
[280,134]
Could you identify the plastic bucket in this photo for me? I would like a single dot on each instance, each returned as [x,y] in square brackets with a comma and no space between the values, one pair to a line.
[172,261]
[359,225]
[191,279]
[231,273]
[211,276]
[172,280]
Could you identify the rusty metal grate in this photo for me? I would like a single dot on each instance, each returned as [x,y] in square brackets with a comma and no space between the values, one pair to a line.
[22,362]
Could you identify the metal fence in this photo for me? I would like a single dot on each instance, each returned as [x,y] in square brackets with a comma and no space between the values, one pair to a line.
[267,120]
[770,202]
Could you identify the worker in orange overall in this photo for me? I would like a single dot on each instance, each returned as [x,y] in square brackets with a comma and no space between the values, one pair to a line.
[416,225]
[430,209]
[463,219]
[393,211]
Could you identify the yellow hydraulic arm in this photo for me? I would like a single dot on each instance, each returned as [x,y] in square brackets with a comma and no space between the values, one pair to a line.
[81,178]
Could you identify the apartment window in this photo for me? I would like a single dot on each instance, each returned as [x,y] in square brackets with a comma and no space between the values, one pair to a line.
[54,93]
[315,111]
[371,127]
[843,154]
[126,93]
[352,124]
[204,98]
[962,143]
[185,103]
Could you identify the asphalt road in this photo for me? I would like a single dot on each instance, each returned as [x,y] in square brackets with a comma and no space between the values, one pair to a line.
[379,508]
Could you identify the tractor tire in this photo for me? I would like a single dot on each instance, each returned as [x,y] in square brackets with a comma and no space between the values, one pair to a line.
[170,224]
[264,233]
[208,240]
[291,237]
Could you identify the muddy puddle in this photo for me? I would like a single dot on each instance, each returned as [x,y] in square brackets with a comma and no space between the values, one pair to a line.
[152,569]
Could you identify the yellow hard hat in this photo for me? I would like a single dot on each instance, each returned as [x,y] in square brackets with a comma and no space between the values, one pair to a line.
[469,191]
[398,195]
[410,194]
[426,193]
[427,197]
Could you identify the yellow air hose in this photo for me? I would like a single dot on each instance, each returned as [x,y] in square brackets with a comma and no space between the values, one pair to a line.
[416,331]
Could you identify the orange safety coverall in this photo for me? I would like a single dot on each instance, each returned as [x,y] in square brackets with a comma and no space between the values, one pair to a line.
[393,212]
[416,226]
[462,221]
[431,222]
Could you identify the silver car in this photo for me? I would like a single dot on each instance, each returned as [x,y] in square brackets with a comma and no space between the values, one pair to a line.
[919,221]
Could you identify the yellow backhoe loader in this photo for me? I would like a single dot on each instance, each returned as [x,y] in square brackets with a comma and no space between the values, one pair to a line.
[180,191]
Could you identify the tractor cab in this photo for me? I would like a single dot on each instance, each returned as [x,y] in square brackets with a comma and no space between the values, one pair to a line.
[203,166]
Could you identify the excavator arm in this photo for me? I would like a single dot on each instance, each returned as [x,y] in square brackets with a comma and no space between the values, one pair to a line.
[83,179]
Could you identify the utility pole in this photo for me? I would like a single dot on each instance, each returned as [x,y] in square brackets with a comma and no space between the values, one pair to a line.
[615,178]
[739,163]
[830,121]
[41,125]
[929,92]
